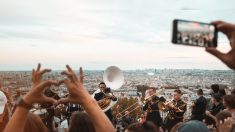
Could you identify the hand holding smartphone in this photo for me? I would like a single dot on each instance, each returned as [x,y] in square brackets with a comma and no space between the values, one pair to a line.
[194,33]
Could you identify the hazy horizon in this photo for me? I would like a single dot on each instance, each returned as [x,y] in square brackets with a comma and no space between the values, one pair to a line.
[124,70]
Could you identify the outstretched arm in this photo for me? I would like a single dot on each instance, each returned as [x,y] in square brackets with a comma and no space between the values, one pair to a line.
[79,95]
[18,120]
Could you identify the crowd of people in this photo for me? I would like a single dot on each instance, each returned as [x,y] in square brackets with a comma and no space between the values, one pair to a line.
[197,39]
[219,113]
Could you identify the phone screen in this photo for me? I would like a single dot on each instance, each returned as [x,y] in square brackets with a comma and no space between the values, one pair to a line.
[194,33]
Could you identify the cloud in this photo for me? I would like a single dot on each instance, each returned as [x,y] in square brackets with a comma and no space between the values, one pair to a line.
[130,34]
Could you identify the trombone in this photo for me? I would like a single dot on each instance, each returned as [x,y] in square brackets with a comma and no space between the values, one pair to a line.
[161,105]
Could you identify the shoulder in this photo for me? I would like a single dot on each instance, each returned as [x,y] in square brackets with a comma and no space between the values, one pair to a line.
[107,90]
[221,106]
[98,94]
[155,97]
[162,99]
[203,98]
[198,99]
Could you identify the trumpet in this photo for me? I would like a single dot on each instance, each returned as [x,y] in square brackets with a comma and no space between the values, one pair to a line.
[160,102]
[149,97]
[169,106]
[165,106]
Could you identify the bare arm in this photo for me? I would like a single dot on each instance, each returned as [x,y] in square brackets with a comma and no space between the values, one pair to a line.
[78,94]
[208,113]
[97,116]
[18,120]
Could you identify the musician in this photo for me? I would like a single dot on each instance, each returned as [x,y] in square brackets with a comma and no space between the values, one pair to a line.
[151,106]
[102,94]
[176,109]
[199,107]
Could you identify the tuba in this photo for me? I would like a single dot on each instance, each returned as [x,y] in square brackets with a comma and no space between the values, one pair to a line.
[114,79]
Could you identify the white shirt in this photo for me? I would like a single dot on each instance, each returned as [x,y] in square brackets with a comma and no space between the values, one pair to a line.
[63,125]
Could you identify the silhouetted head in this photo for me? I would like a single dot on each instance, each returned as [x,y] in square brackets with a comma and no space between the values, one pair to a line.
[80,122]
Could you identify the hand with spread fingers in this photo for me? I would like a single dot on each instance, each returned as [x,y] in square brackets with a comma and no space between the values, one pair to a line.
[37,75]
[226,125]
[36,95]
[77,93]
[229,30]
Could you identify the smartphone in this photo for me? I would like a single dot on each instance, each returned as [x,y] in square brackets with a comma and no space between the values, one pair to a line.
[194,33]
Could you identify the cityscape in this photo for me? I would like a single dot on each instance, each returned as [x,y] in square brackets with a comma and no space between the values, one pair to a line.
[187,79]
[165,81]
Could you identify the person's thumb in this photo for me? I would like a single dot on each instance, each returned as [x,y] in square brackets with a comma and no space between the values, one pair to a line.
[48,100]
[63,101]
[216,53]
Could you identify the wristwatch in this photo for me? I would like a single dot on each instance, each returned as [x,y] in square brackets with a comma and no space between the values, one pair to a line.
[21,103]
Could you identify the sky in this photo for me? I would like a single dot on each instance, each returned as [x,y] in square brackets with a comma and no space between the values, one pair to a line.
[95,34]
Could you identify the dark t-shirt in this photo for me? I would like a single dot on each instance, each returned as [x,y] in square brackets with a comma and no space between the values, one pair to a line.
[101,95]
[216,109]
[200,106]
[153,114]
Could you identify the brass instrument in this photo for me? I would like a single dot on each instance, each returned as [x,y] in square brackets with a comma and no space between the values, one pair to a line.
[113,78]
[105,102]
[162,106]
[161,103]
[60,110]
[168,107]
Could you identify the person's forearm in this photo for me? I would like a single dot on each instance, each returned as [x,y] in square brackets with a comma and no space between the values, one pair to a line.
[97,116]
[18,120]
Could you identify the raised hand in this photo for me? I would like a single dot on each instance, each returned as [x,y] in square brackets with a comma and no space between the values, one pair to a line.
[225,126]
[36,95]
[77,93]
[229,30]
[37,75]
